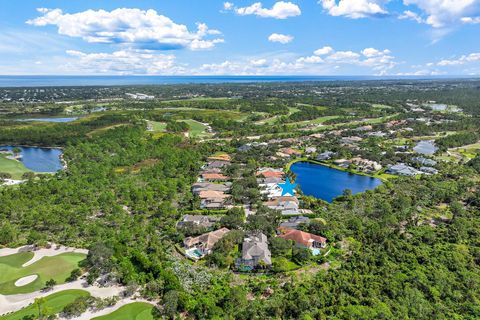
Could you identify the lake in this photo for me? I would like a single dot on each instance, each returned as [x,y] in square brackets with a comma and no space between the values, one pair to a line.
[426,147]
[326,183]
[58,120]
[40,159]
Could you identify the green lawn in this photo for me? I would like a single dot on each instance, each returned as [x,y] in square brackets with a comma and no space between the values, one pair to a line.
[54,304]
[14,167]
[132,311]
[157,126]
[58,268]
[197,129]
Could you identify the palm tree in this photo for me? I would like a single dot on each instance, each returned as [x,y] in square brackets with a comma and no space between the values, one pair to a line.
[39,302]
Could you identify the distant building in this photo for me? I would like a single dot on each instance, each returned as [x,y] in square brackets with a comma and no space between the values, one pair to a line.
[429,170]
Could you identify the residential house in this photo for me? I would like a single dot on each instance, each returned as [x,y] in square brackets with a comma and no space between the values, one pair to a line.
[295,222]
[255,252]
[290,152]
[198,220]
[365,165]
[208,186]
[303,239]
[221,157]
[212,176]
[270,190]
[425,161]
[327,155]
[428,170]
[210,199]
[204,243]
[402,169]
[270,173]
[286,205]
[344,163]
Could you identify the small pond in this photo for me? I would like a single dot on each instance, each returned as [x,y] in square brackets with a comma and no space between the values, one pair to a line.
[59,120]
[40,159]
[327,183]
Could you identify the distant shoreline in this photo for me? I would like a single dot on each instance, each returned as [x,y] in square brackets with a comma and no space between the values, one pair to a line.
[25,81]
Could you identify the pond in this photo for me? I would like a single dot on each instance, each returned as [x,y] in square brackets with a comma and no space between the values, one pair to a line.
[426,147]
[326,183]
[58,120]
[40,159]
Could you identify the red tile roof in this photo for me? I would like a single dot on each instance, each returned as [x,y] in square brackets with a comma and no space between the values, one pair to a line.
[300,237]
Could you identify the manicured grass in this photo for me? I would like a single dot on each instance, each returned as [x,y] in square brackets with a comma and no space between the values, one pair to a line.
[197,129]
[14,167]
[132,311]
[57,268]
[54,304]
[157,126]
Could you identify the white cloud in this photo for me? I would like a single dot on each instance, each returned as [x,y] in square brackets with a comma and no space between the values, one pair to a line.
[123,62]
[227,6]
[470,20]
[444,13]
[354,9]
[323,51]
[372,52]
[410,15]
[144,29]
[377,60]
[464,59]
[280,10]
[281,38]
[259,62]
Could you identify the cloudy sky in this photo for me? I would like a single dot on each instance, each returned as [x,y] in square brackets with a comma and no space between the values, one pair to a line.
[209,37]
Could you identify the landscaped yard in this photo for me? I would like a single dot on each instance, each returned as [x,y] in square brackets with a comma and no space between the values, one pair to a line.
[54,303]
[14,167]
[132,311]
[57,268]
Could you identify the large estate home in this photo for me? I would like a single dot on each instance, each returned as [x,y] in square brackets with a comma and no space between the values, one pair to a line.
[204,243]
[255,252]
[303,239]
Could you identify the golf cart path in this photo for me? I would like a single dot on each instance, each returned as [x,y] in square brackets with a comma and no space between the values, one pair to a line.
[15,302]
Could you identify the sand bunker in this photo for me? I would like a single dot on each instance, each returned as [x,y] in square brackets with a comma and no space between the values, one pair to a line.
[26,280]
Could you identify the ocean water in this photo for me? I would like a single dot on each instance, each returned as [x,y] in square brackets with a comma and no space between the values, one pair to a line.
[54,81]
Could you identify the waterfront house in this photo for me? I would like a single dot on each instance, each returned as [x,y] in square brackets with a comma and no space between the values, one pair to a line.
[402,169]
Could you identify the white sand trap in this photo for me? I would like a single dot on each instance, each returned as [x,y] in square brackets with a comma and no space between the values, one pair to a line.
[25,280]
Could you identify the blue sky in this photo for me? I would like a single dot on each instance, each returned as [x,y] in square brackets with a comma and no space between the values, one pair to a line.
[193,37]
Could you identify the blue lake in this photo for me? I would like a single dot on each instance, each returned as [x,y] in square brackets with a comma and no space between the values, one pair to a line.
[59,120]
[326,183]
[40,159]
